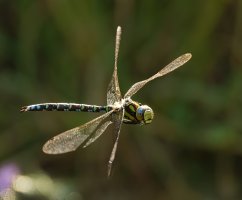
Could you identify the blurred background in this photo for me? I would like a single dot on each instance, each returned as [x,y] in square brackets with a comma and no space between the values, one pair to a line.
[63,51]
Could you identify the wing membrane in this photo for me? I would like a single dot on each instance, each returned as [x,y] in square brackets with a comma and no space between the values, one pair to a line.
[167,69]
[117,127]
[113,92]
[97,133]
[70,140]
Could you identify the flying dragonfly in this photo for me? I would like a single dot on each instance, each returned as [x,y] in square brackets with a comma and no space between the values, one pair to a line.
[117,111]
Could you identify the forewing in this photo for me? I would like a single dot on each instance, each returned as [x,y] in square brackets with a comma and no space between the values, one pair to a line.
[113,92]
[70,140]
[167,69]
[117,127]
[97,133]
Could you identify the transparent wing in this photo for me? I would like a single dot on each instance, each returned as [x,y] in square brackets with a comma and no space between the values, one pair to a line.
[70,140]
[117,127]
[167,69]
[113,92]
[97,133]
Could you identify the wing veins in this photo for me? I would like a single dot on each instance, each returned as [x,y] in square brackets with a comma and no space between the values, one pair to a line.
[113,91]
[71,139]
[167,69]
[96,134]
[117,127]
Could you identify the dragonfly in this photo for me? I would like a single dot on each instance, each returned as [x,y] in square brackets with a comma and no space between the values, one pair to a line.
[117,111]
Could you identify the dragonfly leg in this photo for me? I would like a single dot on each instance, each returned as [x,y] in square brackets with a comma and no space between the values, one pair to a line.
[128,121]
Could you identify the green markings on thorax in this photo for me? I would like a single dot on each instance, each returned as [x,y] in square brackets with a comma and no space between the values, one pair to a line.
[130,112]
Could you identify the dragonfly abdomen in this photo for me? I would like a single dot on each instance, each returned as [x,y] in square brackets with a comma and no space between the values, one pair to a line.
[66,107]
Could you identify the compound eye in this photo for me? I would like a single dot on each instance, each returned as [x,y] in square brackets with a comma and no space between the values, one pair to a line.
[148,116]
[145,114]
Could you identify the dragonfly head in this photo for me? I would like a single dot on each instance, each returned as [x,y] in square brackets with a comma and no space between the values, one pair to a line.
[145,114]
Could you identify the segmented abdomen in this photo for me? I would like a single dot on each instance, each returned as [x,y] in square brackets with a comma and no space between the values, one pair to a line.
[66,107]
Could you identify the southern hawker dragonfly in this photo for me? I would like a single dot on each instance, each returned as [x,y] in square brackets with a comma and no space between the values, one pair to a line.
[117,111]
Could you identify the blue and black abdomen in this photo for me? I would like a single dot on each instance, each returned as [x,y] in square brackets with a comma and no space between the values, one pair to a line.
[66,107]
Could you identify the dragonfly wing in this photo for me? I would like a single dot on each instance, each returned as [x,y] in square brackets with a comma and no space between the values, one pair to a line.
[167,69]
[97,133]
[70,140]
[117,127]
[113,92]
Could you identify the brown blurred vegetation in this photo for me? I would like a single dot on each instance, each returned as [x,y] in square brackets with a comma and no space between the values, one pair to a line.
[63,51]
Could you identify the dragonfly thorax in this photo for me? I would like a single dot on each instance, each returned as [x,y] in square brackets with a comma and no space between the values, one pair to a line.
[136,113]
